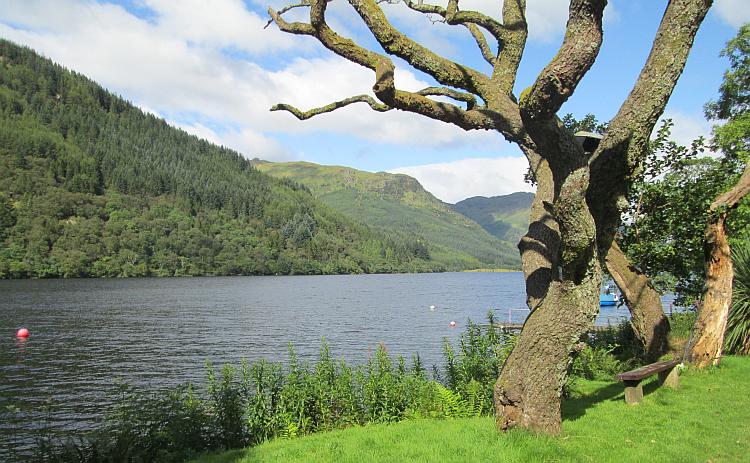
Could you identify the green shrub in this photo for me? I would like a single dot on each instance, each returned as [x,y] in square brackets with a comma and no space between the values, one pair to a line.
[482,353]
[605,353]
[737,339]
[596,363]
[681,324]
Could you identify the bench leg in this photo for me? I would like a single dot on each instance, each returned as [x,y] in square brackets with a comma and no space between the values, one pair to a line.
[670,378]
[633,392]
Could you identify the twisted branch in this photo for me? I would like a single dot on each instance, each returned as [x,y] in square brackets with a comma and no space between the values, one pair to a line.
[445,71]
[285,9]
[558,80]
[469,99]
[481,41]
[303,115]
[471,118]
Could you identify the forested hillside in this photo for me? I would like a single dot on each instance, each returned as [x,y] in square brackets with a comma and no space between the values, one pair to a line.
[92,186]
[398,202]
[506,217]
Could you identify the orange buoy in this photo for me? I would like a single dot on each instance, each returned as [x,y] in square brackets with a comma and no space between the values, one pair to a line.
[22,333]
[452,324]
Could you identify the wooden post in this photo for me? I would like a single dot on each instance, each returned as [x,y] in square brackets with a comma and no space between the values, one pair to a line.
[633,392]
[670,378]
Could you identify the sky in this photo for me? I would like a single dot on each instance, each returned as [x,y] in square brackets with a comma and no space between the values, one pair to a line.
[213,69]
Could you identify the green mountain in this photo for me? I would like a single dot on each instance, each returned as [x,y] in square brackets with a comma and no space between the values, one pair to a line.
[506,217]
[398,202]
[92,186]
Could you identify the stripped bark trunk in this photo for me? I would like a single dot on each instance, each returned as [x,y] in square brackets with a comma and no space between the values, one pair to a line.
[708,333]
[647,317]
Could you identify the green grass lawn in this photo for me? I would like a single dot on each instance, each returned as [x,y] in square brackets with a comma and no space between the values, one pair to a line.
[706,420]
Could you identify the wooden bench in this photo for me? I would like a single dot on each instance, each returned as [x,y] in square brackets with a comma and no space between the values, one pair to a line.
[668,376]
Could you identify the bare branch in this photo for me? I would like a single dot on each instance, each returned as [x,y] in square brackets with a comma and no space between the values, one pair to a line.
[303,3]
[512,45]
[453,16]
[467,98]
[302,115]
[481,41]
[425,8]
[502,116]
[292,28]
[559,78]
[394,42]
[469,119]
[471,19]
[731,198]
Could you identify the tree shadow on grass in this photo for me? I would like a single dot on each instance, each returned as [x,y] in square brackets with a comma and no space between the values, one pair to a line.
[572,409]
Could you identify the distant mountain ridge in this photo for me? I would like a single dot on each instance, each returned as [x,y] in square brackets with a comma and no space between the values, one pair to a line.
[399,202]
[93,187]
[505,217]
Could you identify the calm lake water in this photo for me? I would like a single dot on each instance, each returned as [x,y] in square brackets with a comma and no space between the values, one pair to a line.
[86,335]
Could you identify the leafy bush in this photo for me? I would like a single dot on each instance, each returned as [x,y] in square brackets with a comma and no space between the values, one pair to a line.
[482,353]
[607,352]
[681,324]
[597,363]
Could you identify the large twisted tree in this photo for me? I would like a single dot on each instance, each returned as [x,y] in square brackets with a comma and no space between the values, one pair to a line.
[579,194]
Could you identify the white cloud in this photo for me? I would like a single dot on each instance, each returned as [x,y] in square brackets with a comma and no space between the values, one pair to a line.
[687,127]
[172,67]
[457,180]
[734,12]
[247,142]
[547,19]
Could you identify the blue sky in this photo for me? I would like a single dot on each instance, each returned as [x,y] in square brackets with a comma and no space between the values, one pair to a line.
[213,70]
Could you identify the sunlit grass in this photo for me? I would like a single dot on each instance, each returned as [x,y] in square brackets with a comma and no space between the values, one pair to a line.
[706,419]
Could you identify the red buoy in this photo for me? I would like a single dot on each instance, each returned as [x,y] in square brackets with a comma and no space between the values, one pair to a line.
[22,333]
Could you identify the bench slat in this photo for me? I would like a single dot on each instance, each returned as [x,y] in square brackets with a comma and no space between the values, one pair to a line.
[648,370]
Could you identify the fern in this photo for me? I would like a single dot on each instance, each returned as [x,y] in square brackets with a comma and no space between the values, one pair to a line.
[289,427]
[451,403]
[475,398]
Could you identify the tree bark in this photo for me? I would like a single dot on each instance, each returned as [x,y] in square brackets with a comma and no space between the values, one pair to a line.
[646,313]
[527,393]
[708,332]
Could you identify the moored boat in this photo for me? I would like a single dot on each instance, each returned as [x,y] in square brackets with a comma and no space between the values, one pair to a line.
[608,297]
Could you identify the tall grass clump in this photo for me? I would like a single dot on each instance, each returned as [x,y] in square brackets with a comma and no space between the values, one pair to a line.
[737,339]
[473,369]
[245,406]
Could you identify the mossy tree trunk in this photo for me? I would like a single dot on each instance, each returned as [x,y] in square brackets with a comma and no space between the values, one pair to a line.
[579,195]
[647,317]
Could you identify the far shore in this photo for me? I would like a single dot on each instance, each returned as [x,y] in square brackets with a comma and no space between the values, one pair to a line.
[485,270]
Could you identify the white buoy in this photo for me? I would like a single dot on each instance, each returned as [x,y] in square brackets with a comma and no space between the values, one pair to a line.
[452,324]
[432,307]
